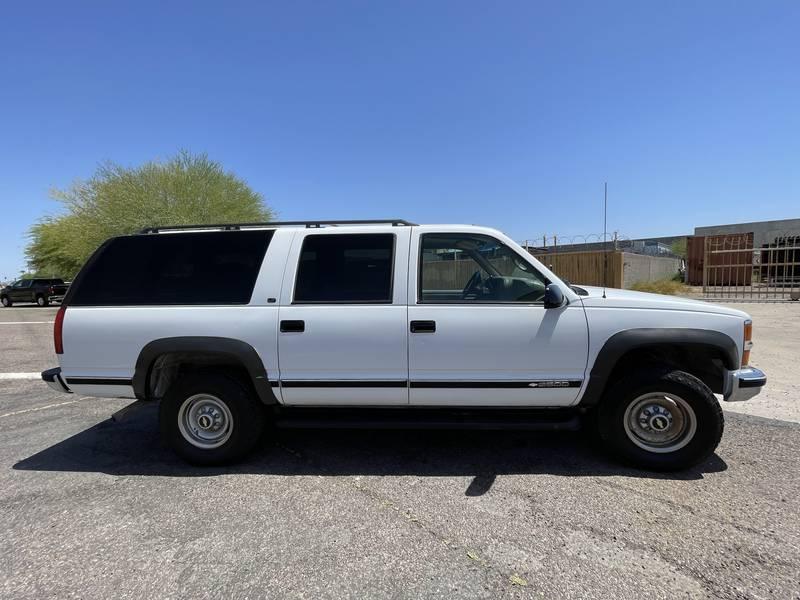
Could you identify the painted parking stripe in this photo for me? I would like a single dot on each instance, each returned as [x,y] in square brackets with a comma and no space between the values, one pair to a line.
[20,375]
[26,322]
[27,410]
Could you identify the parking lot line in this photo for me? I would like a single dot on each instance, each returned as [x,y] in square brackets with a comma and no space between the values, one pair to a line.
[27,410]
[26,322]
[20,375]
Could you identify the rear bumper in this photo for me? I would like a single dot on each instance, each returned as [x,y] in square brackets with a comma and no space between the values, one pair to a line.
[743,384]
[53,378]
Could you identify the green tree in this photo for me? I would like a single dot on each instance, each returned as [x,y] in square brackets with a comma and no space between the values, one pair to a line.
[679,247]
[185,189]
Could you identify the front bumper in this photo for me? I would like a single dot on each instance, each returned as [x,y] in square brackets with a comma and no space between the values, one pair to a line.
[53,378]
[743,384]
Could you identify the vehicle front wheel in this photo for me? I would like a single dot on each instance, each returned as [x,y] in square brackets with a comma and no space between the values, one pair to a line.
[211,419]
[6,301]
[661,420]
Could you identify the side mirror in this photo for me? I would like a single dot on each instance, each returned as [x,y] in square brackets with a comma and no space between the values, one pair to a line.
[553,296]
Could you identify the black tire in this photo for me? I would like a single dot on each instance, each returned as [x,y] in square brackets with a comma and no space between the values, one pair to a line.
[244,413]
[42,301]
[689,399]
[6,301]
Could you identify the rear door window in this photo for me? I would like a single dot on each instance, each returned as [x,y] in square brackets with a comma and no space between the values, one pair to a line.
[216,267]
[345,269]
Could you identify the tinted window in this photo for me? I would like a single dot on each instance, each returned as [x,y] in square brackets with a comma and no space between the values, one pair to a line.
[218,267]
[461,268]
[345,268]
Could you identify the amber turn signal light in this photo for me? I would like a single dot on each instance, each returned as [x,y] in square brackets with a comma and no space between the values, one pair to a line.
[748,342]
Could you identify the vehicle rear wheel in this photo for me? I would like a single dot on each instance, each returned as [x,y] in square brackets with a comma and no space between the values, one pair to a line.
[661,420]
[41,301]
[6,301]
[211,419]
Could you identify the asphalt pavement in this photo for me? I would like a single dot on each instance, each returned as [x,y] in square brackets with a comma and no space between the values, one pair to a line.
[95,507]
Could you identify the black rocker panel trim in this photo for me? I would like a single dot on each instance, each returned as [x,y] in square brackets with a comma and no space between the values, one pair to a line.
[640,339]
[98,381]
[228,349]
[538,384]
[428,417]
[378,383]
[340,383]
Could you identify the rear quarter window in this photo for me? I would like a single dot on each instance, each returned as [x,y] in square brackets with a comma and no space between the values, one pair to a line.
[205,268]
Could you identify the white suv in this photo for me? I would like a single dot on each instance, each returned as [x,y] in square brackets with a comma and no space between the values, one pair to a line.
[389,323]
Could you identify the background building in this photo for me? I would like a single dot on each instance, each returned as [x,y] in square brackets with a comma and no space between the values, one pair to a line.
[764,232]
[741,254]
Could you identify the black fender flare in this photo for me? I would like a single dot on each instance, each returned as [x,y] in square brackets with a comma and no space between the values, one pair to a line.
[228,348]
[623,342]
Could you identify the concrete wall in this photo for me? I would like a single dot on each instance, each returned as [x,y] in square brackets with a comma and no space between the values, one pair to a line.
[640,267]
[764,232]
[623,268]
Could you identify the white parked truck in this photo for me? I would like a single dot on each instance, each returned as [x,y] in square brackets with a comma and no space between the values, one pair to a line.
[391,324]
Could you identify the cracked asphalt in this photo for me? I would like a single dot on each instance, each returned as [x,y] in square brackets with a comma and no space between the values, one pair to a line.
[93,507]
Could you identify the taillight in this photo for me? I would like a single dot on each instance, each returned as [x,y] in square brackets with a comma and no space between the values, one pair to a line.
[58,327]
[748,342]
[52,290]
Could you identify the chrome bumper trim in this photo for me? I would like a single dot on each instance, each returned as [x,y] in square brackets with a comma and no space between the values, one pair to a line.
[53,378]
[742,384]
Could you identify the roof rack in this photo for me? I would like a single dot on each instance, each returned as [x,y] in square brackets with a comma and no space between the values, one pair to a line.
[307,224]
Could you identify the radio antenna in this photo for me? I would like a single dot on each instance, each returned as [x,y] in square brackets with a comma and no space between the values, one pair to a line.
[605,236]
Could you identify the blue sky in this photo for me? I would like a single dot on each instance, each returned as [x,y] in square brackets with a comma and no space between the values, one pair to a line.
[508,114]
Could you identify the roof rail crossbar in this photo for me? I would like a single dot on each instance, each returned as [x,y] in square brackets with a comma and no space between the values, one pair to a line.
[307,224]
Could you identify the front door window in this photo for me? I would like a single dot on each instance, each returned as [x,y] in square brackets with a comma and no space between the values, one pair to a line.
[473,268]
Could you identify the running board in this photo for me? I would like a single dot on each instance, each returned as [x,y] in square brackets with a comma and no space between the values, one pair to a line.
[523,419]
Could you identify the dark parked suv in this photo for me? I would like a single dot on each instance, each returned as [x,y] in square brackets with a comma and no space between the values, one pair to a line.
[40,291]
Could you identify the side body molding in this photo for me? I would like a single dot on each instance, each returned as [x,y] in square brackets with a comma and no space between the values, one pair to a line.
[640,339]
[230,351]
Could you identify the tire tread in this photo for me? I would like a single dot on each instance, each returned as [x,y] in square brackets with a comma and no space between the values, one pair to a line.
[708,412]
[247,411]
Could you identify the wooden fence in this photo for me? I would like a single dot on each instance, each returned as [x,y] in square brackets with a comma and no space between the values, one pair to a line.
[586,267]
[578,267]
[454,274]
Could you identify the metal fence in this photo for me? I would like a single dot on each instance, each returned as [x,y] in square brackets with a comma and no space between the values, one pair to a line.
[734,269]
[552,244]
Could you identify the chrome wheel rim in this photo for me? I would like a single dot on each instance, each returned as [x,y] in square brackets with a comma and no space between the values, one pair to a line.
[205,421]
[659,422]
